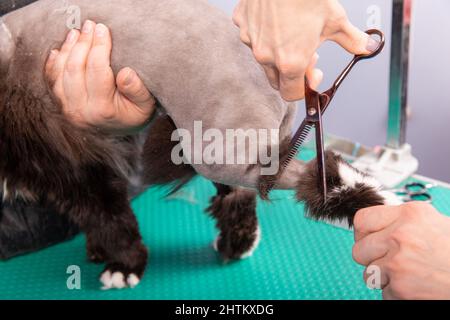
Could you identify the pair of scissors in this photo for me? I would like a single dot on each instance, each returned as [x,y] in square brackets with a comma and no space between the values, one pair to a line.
[415,191]
[316,105]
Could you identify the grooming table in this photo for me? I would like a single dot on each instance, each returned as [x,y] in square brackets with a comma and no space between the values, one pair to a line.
[297,258]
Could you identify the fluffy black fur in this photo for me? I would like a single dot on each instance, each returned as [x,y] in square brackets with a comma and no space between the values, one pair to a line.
[78,173]
[342,201]
[266,182]
[235,212]
[25,228]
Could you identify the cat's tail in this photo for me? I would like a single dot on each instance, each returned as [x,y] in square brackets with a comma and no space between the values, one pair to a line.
[349,190]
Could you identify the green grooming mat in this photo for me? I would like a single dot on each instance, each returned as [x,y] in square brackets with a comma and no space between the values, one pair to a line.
[297,258]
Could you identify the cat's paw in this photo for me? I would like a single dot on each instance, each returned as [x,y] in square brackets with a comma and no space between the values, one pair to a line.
[115,277]
[237,246]
[128,274]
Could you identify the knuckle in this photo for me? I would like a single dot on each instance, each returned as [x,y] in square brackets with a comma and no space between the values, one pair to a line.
[413,210]
[407,240]
[292,67]
[105,112]
[263,55]
[359,220]
[292,96]
[57,89]
[95,65]
[395,265]
[337,21]
[365,275]
[417,207]
[340,19]
[237,19]
[356,252]
[239,14]
[245,38]
[73,66]
[401,235]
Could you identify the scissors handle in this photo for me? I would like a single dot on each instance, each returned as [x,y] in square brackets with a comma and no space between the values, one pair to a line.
[424,197]
[317,104]
[329,94]
[418,187]
[415,191]
[377,51]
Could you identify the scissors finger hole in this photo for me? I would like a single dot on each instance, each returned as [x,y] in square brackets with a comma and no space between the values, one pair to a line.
[378,36]
[416,187]
[424,197]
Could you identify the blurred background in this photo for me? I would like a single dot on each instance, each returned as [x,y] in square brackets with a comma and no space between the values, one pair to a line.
[360,109]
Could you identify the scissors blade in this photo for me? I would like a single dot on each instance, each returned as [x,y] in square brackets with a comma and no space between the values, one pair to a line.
[324,101]
[321,165]
[297,142]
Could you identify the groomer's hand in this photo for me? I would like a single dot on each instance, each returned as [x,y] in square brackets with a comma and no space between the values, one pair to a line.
[285,34]
[82,80]
[409,245]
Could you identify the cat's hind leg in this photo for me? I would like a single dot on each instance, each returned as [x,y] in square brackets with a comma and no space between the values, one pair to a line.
[235,212]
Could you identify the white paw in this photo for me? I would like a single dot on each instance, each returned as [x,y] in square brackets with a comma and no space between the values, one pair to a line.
[133,280]
[254,246]
[215,243]
[117,280]
[252,249]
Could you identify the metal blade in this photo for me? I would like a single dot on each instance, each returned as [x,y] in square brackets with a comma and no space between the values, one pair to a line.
[297,142]
[321,166]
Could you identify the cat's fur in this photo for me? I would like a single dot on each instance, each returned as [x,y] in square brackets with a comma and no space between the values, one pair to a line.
[190,57]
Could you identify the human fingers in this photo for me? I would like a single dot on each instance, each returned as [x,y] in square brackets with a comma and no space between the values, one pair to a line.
[374,219]
[100,79]
[75,69]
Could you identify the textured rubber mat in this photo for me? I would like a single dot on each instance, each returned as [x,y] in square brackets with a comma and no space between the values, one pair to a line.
[297,258]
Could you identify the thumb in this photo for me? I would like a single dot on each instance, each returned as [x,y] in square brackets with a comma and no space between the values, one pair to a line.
[133,88]
[354,40]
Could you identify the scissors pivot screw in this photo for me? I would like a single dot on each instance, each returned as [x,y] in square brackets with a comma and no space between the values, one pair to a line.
[316,105]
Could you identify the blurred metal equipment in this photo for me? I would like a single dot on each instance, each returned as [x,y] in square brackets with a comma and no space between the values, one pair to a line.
[394,163]
[398,93]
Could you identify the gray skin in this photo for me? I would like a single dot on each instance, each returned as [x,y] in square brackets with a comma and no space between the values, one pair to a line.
[187,52]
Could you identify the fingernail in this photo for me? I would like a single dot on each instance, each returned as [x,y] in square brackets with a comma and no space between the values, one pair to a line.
[129,78]
[71,36]
[100,30]
[88,26]
[372,44]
